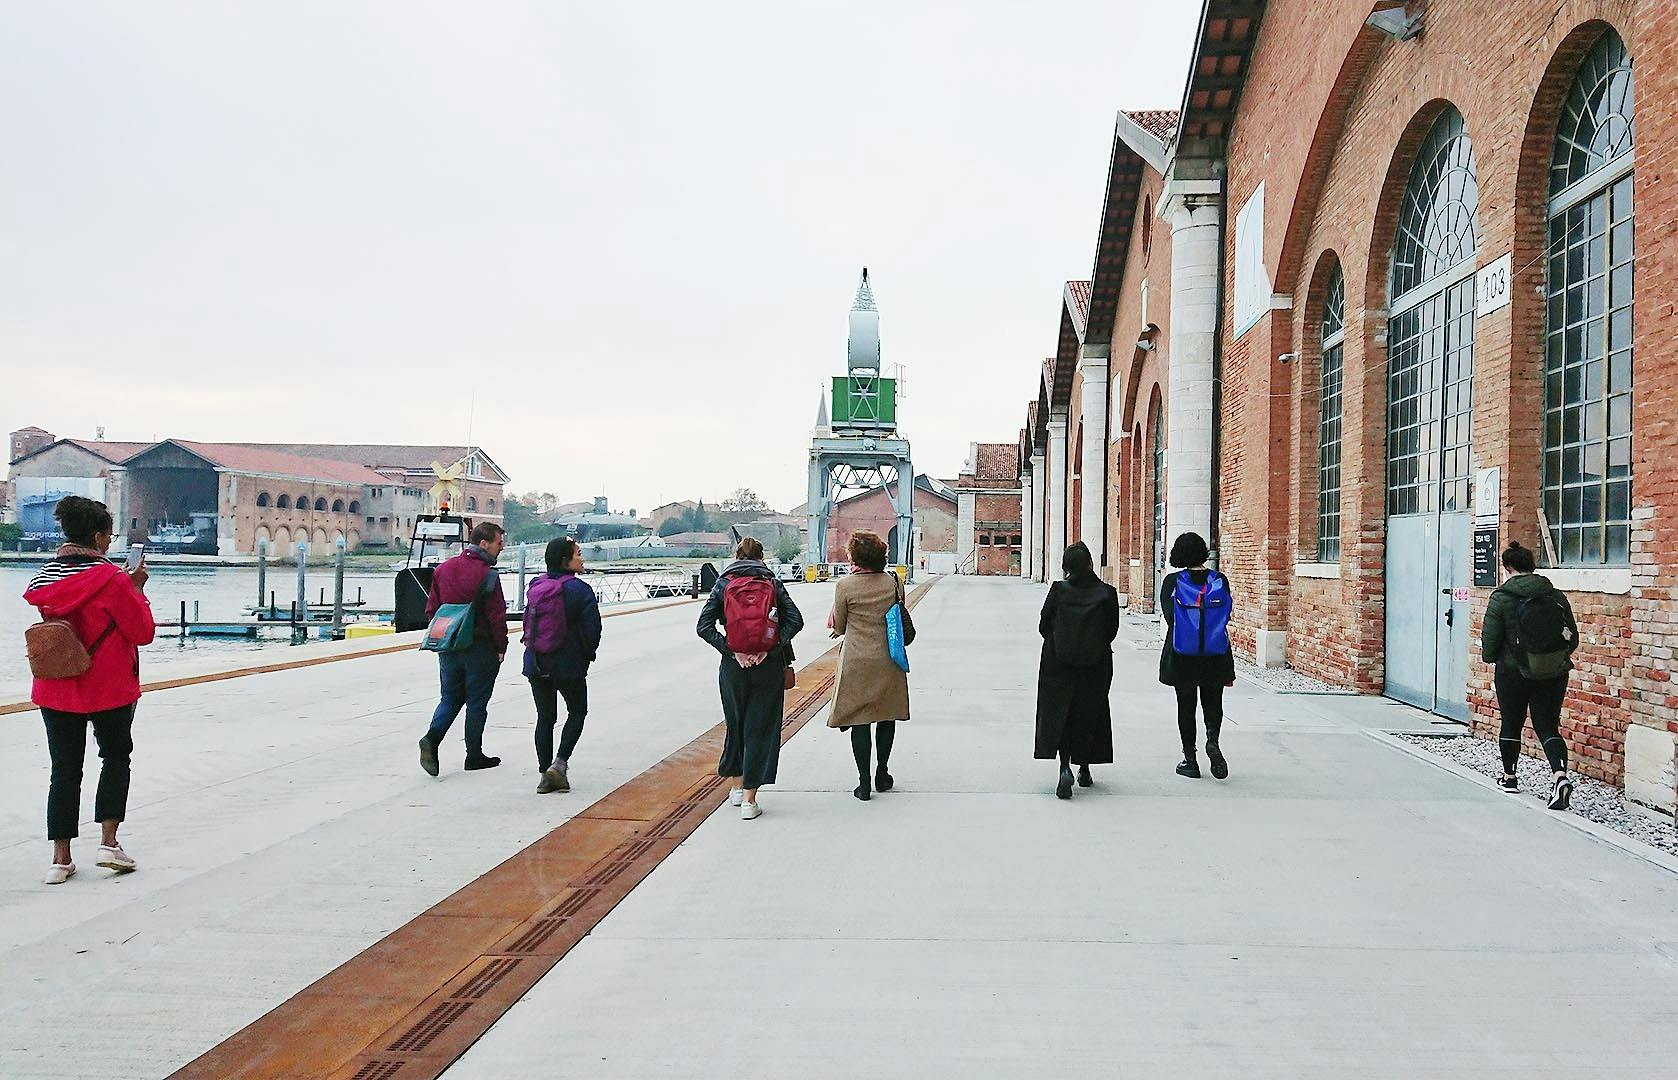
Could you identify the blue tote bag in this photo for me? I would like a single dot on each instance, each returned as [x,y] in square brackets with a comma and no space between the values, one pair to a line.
[900,631]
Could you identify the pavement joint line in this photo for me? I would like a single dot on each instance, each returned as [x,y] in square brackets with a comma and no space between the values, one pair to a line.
[407,645]
[1612,837]
[443,996]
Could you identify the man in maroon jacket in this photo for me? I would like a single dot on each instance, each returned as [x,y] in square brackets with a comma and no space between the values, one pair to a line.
[468,675]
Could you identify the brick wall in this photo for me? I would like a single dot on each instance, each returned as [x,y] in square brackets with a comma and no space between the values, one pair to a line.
[1330,121]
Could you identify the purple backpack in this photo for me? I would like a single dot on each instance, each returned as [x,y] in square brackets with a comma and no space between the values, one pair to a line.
[545,624]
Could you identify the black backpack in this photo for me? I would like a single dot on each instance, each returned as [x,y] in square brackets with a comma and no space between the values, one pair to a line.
[1076,633]
[1543,637]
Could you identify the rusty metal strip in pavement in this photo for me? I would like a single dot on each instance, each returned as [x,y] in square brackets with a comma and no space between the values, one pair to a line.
[409,644]
[410,1005]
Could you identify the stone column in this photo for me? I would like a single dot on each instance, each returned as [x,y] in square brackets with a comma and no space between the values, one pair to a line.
[1039,481]
[1056,545]
[965,539]
[1028,524]
[1092,513]
[1191,206]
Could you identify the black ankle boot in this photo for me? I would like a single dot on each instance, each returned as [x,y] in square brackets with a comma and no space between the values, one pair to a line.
[1064,789]
[1189,767]
[1084,777]
[862,792]
[882,779]
[1220,767]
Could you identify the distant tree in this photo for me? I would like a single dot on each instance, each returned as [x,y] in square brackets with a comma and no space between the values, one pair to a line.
[789,549]
[10,533]
[524,523]
[672,525]
[743,501]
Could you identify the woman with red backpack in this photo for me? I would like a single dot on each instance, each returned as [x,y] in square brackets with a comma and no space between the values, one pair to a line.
[1196,659]
[561,639]
[759,621]
[82,593]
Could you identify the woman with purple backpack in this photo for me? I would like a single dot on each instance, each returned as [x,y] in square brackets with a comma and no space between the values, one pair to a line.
[1196,658]
[561,639]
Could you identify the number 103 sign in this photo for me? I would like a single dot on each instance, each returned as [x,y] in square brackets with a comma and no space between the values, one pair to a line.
[1493,285]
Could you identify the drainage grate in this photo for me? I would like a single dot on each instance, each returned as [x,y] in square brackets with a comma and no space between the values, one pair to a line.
[377,1070]
[621,859]
[573,904]
[484,981]
[433,1024]
[537,936]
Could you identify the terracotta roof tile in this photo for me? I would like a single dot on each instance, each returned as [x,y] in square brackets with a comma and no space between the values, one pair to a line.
[998,461]
[236,457]
[114,452]
[1161,123]
[1078,297]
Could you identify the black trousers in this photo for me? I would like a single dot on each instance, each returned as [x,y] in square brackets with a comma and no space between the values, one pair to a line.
[860,748]
[547,694]
[752,702]
[1211,707]
[1518,697]
[113,730]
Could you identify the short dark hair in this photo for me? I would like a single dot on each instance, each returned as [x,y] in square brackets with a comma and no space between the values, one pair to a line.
[484,531]
[1519,559]
[82,519]
[559,554]
[867,550]
[749,547]
[1077,564]
[1189,550]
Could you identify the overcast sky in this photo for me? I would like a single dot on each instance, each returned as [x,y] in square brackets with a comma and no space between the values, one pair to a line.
[632,231]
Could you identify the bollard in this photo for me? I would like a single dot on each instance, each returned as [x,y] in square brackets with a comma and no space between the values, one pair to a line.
[338,592]
[300,606]
[524,564]
[183,620]
[261,572]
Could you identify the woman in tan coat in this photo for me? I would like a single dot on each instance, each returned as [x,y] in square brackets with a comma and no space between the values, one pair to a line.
[871,688]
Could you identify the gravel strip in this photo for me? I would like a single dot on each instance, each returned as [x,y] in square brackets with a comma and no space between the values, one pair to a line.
[1286,680]
[1592,799]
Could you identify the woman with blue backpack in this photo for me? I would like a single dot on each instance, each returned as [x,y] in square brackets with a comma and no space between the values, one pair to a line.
[561,639]
[1196,659]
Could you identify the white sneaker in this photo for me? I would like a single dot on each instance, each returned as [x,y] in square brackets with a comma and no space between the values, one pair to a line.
[114,858]
[736,796]
[60,873]
[749,810]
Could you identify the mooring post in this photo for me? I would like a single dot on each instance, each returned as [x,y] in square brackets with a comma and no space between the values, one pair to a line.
[183,620]
[338,592]
[261,572]
[300,607]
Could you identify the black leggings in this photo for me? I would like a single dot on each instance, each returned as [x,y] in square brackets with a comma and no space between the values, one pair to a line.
[113,730]
[1518,695]
[859,745]
[1211,704]
[546,692]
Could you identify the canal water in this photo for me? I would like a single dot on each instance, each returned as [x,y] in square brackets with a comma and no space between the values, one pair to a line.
[221,592]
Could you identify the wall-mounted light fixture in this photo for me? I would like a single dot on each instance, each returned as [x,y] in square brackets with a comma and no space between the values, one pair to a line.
[1287,358]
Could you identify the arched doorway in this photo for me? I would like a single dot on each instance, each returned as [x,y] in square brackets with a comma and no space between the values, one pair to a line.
[1430,417]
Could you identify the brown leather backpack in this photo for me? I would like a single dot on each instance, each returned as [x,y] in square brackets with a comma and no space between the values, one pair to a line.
[55,652]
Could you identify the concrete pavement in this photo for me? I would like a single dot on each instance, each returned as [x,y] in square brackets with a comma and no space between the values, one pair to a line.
[1336,908]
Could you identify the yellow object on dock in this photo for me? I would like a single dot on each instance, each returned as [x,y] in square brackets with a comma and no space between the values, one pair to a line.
[368,630]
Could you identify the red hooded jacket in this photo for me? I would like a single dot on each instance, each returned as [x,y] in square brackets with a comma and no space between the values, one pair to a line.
[92,594]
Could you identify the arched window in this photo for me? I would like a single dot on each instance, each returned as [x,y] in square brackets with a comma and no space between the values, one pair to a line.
[263,499]
[1588,346]
[337,506]
[1147,230]
[284,503]
[355,506]
[1329,420]
[302,504]
[471,504]
[492,506]
[1430,339]
[320,504]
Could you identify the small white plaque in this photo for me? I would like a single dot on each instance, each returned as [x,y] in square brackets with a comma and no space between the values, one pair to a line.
[1493,285]
[1488,493]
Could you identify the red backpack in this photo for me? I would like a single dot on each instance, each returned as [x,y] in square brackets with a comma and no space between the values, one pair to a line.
[750,619]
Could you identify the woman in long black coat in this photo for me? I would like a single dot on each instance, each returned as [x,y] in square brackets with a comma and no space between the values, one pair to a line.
[1079,622]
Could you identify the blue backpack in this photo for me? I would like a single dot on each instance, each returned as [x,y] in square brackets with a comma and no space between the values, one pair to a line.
[1200,616]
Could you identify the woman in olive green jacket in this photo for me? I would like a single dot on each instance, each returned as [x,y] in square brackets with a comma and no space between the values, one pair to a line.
[1530,676]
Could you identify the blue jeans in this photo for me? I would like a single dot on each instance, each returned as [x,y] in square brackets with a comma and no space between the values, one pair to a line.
[468,679]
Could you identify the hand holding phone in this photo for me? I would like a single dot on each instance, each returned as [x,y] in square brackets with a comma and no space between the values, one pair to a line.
[136,556]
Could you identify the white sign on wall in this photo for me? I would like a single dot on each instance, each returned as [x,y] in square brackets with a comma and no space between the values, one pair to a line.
[1488,493]
[1493,285]
[1252,282]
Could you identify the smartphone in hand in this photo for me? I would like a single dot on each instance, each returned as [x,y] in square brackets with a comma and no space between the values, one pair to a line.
[136,556]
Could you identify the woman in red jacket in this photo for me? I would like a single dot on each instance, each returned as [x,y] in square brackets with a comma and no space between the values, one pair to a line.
[106,606]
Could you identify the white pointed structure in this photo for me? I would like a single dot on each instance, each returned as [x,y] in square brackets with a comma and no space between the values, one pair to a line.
[856,446]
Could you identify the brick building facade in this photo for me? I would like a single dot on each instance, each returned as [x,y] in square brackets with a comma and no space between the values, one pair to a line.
[989,536]
[1436,241]
[934,515]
